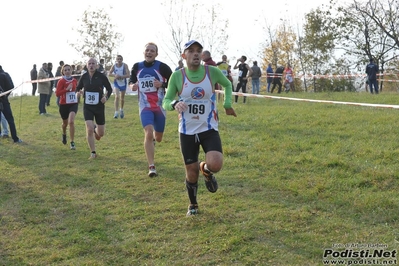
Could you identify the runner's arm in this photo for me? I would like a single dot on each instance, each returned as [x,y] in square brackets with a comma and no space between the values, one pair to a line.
[174,87]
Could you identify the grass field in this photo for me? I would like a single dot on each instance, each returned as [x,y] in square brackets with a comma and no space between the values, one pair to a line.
[298,178]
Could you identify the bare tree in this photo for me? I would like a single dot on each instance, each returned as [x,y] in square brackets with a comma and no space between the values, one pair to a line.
[384,13]
[185,24]
[180,18]
[98,37]
[271,48]
[362,30]
[214,30]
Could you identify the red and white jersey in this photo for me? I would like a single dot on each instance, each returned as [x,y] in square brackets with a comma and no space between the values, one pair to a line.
[149,96]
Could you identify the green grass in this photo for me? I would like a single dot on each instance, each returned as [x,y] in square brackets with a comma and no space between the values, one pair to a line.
[298,177]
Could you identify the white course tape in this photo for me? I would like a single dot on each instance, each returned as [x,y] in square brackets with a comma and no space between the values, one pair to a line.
[33,81]
[49,79]
[310,100]
[7,92]
[337,76]
[257,96]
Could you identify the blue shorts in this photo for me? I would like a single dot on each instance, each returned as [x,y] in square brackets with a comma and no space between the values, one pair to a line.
[121,88]
[154,117]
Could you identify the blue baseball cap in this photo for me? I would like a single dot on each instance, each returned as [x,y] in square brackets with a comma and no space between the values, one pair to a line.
[187,45]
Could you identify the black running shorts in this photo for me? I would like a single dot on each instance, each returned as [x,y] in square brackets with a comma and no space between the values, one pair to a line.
[189,144]
[65,109]
[94,112]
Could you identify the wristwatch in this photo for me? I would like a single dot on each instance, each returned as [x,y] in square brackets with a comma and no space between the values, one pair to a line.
[173,103]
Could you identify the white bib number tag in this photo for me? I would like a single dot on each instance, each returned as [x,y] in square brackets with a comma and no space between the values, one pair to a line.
[71,97]
[92,98]
[198,110]
[147,85]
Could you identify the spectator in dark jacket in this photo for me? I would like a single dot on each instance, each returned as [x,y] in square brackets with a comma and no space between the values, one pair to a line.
[52,82]
[372,71]
[269,77]
[207,58]
[277,79]
[101,66]
[58,74]
[255,76]
[33,76]
[6,84]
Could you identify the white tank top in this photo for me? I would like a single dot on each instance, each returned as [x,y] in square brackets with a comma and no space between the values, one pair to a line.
[120,71]
[201,114]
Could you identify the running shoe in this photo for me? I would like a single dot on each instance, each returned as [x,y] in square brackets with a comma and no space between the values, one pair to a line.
[95,133]
[192,210]
[93,155]
[64,140]
[18,141]
[116,115]
[122,115]
[152,172]
[73,147]
[210,180]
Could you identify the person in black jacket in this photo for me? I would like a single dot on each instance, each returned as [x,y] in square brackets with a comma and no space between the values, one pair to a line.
[372,71]
[33,76]
[94,98]
[277,79]
[52,82]
[58,74]
[6,84]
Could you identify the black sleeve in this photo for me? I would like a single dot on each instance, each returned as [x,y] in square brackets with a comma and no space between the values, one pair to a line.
[80,83]
[133,73]
[3,83]
[11,84]
[165,71]
[107,85]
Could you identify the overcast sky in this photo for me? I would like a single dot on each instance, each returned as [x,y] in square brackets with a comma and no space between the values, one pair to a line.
[39,31]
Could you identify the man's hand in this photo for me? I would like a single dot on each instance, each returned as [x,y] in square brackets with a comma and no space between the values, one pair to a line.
[135,86]
[157,84]
[230,111]
[181,107]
